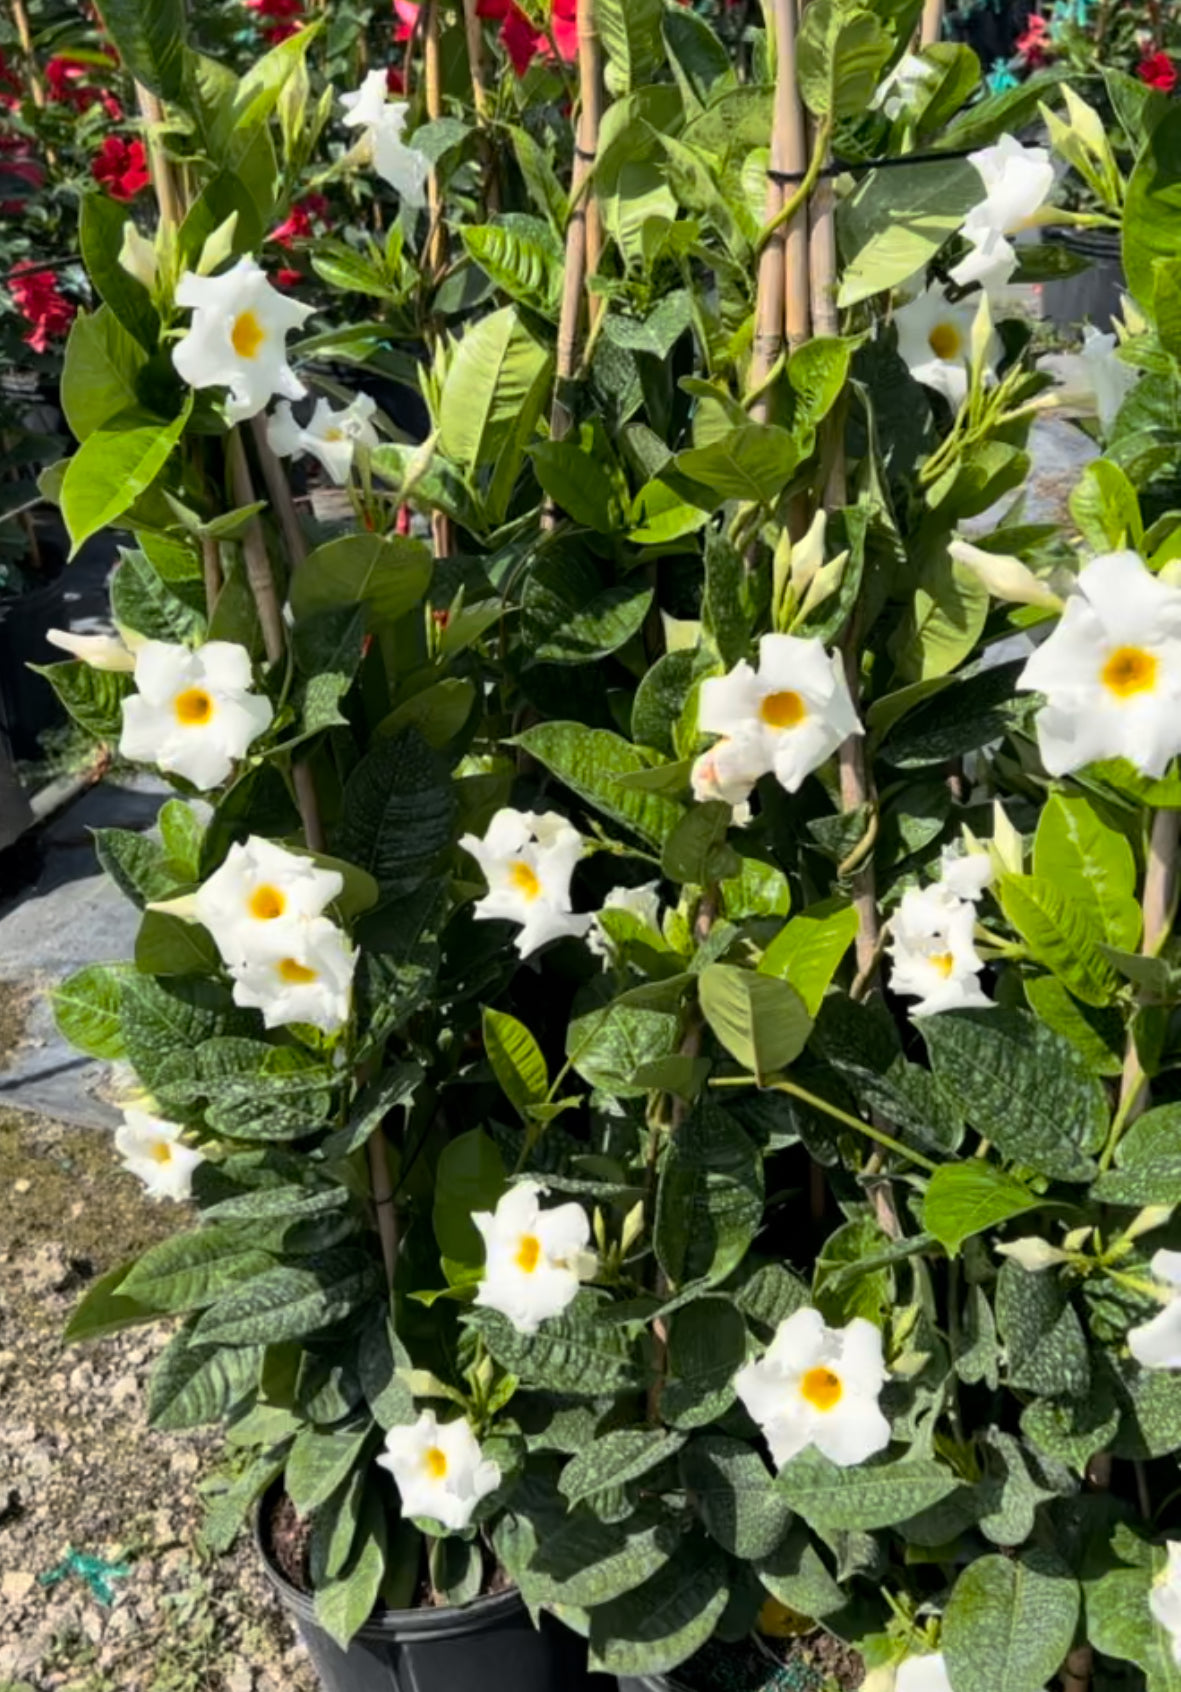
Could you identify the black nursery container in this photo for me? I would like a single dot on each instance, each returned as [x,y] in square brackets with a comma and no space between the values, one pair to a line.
[1093,295]
[489,1645]
[28,705]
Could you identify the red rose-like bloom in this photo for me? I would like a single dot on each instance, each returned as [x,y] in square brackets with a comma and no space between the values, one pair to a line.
[288,278]
[67,79]
[395,80]
[1034,44]
[523,42]
[406,12]
[1158,71]
[121,166]
[286,17]
[297,225]
[38,298]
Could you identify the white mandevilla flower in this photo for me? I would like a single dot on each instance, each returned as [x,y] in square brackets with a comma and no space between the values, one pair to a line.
[534,1259]
[1164,1599]
[331,437]
[641,902]
[1157,1344]
[100,652]
[818,1386]
[238,338]
[922,1674]
[935,342]
[1111,671]
[1017,182]
[310,979]
[966,874]
[901,89]
[1109,378]
[154,1151]
[439,1469]
[931,947]
[729,771]
[259,895]
[786,718]
[1004,576]
[193,713]
[528,861]
[382,122]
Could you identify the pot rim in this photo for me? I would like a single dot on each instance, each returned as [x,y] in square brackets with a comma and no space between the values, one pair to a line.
[422,1625]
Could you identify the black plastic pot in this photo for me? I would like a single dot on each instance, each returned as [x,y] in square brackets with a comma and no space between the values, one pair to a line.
[28,705]
[490,1645]
[1093,296]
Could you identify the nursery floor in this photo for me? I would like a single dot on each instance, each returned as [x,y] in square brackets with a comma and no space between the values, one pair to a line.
[80,1470]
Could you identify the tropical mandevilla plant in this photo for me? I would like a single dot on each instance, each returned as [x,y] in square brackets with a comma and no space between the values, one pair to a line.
[663,995]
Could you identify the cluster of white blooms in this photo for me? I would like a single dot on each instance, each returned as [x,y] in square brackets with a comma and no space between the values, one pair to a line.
[153,1150]
[331,437]
[819,1386]
[265,910]
[935,332]
[931,939]
[238,338]
[785,718]
[381,122]
[1111,671]
[193,713]
[534,1259]
[440,1470]
[528,861]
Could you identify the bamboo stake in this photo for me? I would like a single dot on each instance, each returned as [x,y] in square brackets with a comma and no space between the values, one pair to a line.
[583,217]
[168,196]
[779,308]
[24,35]
[279,492]
[797,312]
[433,79]
[475,52]
[932,25]
[254,548]
[211,567]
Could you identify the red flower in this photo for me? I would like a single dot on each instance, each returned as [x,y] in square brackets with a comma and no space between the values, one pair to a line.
[523,42]
[10,84]
[395,80]
[288,278]
[121,166]
[1034,44]
[1158,71]
[286,18]
[68,84]
[297,226]
[40,301]
[406,12]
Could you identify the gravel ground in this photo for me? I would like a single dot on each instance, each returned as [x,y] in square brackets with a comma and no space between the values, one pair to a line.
[80,1469]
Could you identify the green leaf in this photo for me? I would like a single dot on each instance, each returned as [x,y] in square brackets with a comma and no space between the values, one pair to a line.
[388,574]
[320,1460]
[1121,1624]
[103,363]
[105,1310]
[1148,1162]
[1044,1340]
[807,951]
[470,1177]
[140,601]
[615,1458]
[578,484]
[963,1199]
[168,945]
[517,1060]
[86,1008]
[437,713]
[1089,861]
[100,236]
[194,1384]
[1062,932]
[945,620]
[732,1491]
[150,38]
[700,61]
[397,812]
[163,1019]
[630,31]
[697,851]
[590,761]
[760,1020]
[724,615]
[583,1561]
[572,1353]
[113,467]
[659,1624]
[706,1347]
[1097,1035]
[1009,1623]
[608,1043]
[571,615]
[1103,503]
[1152,210]
[753,462]
[871,1495]
[189,1271]
[842,52]
[1024,1087]
[817,373]
[521,255]
[181,831]
[291,1303]
[136,864]
[709,1202]
[962,717]
[92,697]
[346,1603]
[895,221]
[493,380]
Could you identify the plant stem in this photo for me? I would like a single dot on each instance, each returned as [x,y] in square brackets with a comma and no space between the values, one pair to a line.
[279,493]
[254,547]
[211,568]
[838,1115]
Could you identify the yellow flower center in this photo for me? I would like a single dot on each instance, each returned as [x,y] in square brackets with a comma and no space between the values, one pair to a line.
[528,1253]
[161,1152]
[295,973]
[247,335]
[193,707]
[1130,670]
[943,963]
[821,1388]
[783,710]
[524,879]
[436,1463]
[334,434]
[944,341]
[266,903]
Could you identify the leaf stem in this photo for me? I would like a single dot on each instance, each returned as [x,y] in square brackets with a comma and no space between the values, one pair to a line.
[838,1115]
